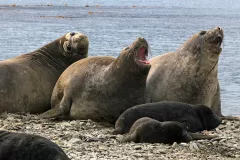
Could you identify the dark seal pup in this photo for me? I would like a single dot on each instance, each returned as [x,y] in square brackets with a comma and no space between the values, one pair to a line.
[195,117]
[27,81]
[101,88]
[148,130]
[190,74]
[21,146]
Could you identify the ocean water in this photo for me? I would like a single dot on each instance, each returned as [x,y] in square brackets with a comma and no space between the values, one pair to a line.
[26,25]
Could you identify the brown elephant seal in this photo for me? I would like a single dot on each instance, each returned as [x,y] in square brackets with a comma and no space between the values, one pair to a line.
[21,146]
[101,88]
[27,81]
[190,74]
[148,130]
[195,117]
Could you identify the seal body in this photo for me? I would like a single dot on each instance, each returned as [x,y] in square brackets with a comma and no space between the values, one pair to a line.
[147,130]
[101,88]
[195,117]
[21,146]
[190,74]
[27,81]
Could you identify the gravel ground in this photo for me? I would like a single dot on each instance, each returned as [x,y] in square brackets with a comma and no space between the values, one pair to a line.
[90,140]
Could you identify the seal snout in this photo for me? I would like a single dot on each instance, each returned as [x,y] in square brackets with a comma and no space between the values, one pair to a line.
[217,37]
[219,28]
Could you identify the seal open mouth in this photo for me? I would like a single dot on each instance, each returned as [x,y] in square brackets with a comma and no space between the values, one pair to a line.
[142,56]
[218,41]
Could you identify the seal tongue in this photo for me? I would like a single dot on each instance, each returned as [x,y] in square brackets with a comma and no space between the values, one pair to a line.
[142,56]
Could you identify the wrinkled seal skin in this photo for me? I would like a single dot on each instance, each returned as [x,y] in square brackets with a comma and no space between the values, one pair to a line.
[21,146]
[147,130]
[27,81]
[101,88]
[195,117]
[190,74]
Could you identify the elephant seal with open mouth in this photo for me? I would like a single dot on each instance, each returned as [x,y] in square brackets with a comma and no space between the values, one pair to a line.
[101,88]
[190,74]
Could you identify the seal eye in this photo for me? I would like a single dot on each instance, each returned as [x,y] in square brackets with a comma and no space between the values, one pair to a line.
[72,33]
[202,33]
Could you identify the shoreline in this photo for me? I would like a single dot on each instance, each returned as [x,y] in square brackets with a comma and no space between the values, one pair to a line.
[85,139]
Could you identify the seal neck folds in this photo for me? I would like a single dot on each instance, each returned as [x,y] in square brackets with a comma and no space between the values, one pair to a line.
[62,52]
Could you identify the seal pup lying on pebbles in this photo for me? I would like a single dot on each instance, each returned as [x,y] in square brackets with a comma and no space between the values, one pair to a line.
[27,81]
[21,146]
[195,117]
[190,74]
[148,130]
[101,88]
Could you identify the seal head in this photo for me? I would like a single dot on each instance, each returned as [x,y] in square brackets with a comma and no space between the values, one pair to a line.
[75,46]
[138,52]
[208,118]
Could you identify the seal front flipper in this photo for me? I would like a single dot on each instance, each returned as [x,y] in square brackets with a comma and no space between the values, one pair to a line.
[198,136]
[130,137]
[62,109]
[216,106]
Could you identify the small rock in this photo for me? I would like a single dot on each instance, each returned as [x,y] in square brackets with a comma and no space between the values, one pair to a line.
[184,144]
[163,151]
[237,156]
[220,149]
[191,148]
[214,142]
[92,139]
[102,147]
[10,118]
[137,147]
[75,141]
[174,145]
[195,146]
[137,154]
[218,130]
[222,140]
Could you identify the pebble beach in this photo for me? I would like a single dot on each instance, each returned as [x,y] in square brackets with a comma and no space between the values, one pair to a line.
[110,26]
[85,139]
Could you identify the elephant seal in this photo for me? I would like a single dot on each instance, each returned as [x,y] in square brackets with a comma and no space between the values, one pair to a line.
[27,81]
[148,130]
[190,74]
[101,88]
[195,117]
[21,146]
